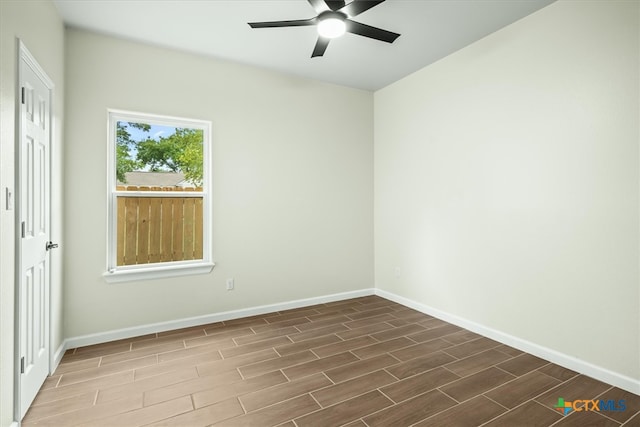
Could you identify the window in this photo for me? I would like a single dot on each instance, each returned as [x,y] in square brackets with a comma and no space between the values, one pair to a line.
[159,197]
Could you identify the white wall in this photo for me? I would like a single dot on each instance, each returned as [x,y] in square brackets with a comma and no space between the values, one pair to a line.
[292,192]
[506,173]
[38,25]
[506,183]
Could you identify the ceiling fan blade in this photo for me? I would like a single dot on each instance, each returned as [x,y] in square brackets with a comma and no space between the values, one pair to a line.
[335,4]
[321,46]
[356,7]
[276,24]
[319,5]
[371,32]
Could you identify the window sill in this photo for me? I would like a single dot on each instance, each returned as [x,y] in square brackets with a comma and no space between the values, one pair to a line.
[130,274]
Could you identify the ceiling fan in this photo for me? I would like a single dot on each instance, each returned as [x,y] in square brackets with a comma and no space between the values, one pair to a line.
[333,20]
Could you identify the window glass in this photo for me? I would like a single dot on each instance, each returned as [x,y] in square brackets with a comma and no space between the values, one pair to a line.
[159,196]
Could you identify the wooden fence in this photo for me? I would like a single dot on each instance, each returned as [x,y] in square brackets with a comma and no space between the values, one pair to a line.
[158,229]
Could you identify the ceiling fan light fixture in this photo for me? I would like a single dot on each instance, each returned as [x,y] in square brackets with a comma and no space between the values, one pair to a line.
[332,27]
[333,20]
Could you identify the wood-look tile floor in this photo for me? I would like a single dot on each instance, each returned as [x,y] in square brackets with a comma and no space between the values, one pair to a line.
[361,362]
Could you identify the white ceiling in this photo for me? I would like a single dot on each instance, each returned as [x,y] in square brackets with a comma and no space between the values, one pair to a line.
[430,30]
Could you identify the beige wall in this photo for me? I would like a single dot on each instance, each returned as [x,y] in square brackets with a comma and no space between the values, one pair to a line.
[37,24]
[506,183]
[507,173]
[292,192]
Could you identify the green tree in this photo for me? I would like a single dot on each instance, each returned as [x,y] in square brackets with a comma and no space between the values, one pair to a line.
[179,152]
[124,161]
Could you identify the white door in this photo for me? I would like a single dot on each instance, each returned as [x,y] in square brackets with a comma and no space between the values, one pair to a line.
[33,228]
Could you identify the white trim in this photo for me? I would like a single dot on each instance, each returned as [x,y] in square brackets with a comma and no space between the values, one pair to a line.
[26,58]
[116,274]
[157,271]
[157,193]
[57,357]
[30,60]
[619,380]
[135,331]
[626,383]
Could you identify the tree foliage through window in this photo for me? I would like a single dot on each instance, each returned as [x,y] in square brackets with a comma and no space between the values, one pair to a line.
[180,151]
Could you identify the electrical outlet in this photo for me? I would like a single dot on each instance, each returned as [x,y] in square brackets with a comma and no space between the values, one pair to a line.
[396,272]
[230,284]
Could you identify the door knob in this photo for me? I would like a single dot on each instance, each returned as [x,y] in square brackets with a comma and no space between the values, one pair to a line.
[51,245]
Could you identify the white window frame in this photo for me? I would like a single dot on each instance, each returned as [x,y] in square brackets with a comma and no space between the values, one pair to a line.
[116,274]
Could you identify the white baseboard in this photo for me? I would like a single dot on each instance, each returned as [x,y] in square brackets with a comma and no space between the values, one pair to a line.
[57,356]
[626,383]
[136,331]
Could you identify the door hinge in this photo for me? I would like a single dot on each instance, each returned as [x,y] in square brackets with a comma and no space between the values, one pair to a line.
[23,231]
[22,95]
[22,365]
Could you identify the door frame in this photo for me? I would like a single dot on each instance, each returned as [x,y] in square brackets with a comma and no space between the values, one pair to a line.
[26,58]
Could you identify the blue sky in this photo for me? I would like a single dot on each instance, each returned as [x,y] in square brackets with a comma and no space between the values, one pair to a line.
[155,132]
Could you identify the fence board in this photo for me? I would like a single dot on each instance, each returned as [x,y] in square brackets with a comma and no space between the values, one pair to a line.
[198,230]
[188,228]
[130,236]
[158,229]
[178,231]
[142,257]
[120,232]
[155,230]
[167,230]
